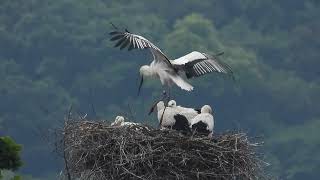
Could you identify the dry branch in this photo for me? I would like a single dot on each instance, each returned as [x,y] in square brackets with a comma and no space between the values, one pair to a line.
[96,150]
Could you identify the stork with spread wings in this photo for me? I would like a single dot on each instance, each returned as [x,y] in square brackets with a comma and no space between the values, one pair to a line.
[169,72]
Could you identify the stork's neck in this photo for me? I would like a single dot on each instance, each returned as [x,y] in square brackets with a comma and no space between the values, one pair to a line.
[148,71]
[160,105]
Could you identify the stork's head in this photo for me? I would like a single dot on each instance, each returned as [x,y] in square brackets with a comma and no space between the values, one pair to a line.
[159,104]
[206,109]
[118,121]
[144,72]
[172,103]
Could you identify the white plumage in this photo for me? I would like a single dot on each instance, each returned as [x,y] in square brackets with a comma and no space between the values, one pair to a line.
[189,113]
[203,122]
[167,116]
[171,118]
[119,121]
[168,71]
[200,63]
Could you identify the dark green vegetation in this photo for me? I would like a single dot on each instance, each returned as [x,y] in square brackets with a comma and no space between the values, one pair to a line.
[9,155]
[54,53]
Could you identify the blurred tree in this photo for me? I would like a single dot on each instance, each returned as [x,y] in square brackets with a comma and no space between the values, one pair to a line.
[57,53]
[193,32]
[301,142]
[9,155]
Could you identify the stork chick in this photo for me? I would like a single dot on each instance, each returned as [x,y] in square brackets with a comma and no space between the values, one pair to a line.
[189,113]
[203,123]
[170,118]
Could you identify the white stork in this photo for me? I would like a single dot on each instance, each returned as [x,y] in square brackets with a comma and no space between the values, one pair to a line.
[189,113]
[119,121]
[203,123]
[168,71]
[170,118]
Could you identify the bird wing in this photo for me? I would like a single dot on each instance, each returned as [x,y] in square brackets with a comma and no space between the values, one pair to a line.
[197,64]
[181,123]
[167,116]
[206,119]
[190,113]
[182,83]
[134,41]
[175,78]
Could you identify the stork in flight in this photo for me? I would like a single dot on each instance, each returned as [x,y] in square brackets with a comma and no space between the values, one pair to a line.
[168,71]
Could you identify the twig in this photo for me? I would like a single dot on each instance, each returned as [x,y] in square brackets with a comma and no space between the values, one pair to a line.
[92,103]
[139,152]
[65,158]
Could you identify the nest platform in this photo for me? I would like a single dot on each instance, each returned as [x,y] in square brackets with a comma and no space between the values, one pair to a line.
[98,151]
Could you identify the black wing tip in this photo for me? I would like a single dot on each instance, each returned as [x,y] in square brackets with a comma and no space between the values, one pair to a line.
[179,116]
[227,70]
[200,128]
[118,43]
[130,47]
[114,26]
[117,31]
[124,40]
[227,67]
[189,75]
[181,124]
[116,37]
[119,36]
[193,74]
[114,32]
[232,76]
[215,55]
[125,44]
[198,110]
[219,54]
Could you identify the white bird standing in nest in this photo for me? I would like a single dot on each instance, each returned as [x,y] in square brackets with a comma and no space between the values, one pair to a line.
[170,118]
[203,123]
[168,71]
[189,113]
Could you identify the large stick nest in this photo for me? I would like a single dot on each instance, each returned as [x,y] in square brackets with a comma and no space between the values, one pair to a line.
[96,150]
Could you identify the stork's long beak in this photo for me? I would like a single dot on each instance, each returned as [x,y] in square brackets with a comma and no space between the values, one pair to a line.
[140,85]
[153,106]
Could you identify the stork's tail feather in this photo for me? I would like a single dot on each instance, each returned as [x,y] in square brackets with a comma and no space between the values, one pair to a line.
[182,83]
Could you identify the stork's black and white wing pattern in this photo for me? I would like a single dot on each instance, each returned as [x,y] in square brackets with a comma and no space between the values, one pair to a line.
[133,41]
[197,64]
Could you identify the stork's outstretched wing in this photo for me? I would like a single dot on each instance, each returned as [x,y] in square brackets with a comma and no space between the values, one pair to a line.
[133,41]
[197,64]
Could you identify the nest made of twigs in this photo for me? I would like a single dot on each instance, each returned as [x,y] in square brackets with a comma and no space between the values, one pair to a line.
[96,150]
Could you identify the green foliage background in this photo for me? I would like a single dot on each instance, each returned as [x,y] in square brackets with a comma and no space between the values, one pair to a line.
[54,53]
[9,154]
